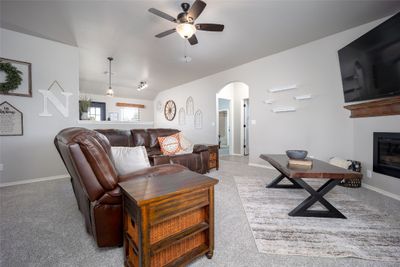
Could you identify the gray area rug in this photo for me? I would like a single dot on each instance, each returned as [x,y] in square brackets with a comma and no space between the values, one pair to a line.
[366,233]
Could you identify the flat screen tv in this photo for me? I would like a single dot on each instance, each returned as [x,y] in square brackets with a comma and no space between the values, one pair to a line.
[370,65]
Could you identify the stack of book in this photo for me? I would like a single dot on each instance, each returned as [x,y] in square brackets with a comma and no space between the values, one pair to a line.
[300,163]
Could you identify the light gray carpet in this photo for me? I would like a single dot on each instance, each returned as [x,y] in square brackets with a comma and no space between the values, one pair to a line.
[40,225]
[366,233]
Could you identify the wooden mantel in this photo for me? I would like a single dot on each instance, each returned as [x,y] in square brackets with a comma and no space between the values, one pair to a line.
[383,107]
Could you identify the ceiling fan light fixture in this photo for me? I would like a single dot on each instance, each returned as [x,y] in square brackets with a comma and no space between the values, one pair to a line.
[186,30]
[110,92]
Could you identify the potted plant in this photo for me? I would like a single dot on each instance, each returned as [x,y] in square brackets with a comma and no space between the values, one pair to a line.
[84,104]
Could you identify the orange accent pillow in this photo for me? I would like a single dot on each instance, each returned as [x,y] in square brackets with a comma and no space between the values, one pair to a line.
[170,145]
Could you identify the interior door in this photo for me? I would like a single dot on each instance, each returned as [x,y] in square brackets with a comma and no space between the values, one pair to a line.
[246,119]
[223,128]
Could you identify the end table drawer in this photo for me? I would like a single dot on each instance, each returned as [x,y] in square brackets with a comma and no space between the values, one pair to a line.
[166,209]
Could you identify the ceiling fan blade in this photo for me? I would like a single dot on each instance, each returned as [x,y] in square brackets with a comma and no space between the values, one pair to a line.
[193,40]
[163,34]
[162,14]
[196,9]
[210,27]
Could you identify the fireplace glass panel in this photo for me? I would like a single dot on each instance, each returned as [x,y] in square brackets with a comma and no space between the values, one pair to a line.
[387,153]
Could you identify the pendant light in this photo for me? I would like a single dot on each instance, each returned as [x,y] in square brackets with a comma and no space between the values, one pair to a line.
[110,91]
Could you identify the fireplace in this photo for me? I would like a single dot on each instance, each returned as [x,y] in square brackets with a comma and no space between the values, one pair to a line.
[387,153]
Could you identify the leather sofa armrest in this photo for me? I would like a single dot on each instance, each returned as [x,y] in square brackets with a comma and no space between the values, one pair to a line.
[161,159]
[152,171]
[200,148]
[111,197]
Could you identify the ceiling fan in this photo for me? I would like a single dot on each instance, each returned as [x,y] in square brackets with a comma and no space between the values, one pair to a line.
[185,22]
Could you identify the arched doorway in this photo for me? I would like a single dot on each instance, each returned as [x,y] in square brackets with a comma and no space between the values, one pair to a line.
[233,119]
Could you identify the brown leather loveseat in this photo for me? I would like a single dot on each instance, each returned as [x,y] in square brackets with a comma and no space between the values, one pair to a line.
[87,157]
[196,161]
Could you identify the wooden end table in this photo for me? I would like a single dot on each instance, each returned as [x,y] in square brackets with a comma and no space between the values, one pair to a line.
[213,161]
[295,175]
[168,219]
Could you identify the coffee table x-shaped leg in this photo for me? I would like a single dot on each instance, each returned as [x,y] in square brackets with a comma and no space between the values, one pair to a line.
[302,210]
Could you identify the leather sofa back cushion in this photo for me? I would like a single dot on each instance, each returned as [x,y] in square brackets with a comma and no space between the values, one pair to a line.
[140,138]
[99,161]
[129,159]
[155,133]
[117,137]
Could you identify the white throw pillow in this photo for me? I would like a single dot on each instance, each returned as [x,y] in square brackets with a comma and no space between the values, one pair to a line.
[129,159]
[186,145]
[338,162]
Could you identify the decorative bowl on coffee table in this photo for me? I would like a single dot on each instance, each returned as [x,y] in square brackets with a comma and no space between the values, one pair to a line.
[296,154]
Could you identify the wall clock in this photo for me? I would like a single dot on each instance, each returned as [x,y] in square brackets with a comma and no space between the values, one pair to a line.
[170,110]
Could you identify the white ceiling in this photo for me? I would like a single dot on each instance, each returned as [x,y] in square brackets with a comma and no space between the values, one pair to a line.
[125,30]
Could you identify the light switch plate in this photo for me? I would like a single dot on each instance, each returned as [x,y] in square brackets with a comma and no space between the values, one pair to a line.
[253,122]
[369,173]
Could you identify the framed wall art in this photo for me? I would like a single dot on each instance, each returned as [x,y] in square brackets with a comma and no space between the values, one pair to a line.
[11,120]
[182,116]
[189,106]
[15,77]
[198,119]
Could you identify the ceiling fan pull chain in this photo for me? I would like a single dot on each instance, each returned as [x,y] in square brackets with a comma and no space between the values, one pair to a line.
[185,56]
[185,51]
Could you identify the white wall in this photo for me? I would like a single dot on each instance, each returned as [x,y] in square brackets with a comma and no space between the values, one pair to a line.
[33,155]
[146,114]
[320,125]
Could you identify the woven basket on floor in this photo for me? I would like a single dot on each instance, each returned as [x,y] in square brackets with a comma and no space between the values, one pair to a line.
[354,183]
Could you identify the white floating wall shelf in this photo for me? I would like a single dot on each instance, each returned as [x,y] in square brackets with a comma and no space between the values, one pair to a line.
[268,101]
[302,97]
[283,109]
[275,90]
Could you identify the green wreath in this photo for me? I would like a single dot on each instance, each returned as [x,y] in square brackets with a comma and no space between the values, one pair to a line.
[13,77]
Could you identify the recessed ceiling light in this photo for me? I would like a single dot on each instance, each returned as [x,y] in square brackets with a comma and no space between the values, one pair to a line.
[142,85]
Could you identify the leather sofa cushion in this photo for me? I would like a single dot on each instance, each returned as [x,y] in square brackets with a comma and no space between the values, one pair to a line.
[191,161]
[155,133]
[117,137]
[140,137]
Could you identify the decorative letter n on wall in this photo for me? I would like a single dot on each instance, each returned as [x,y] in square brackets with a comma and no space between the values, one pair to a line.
[49,96]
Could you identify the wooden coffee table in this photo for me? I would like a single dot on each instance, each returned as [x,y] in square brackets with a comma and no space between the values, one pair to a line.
[168,219]
[295,175]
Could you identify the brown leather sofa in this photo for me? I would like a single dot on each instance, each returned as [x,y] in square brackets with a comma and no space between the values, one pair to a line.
[196,161]
[87,157]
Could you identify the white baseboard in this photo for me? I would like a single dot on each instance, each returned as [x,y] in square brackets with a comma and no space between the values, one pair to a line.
[261,166]
[56,177]
[233,154]
[381,191]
